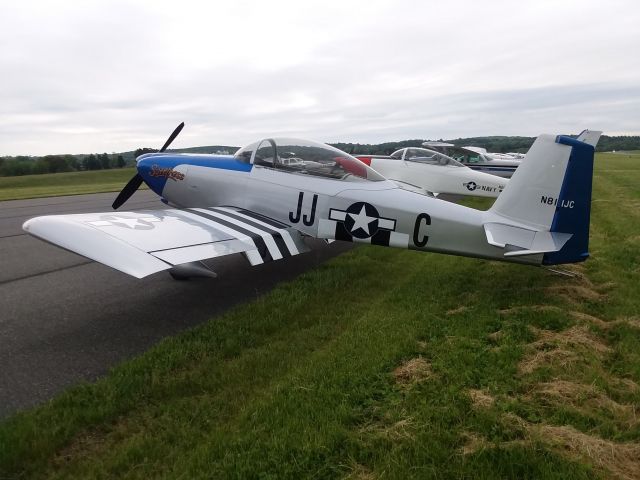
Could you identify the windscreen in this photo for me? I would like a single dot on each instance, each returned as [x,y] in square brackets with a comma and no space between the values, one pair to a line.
[306,157]
[423,155]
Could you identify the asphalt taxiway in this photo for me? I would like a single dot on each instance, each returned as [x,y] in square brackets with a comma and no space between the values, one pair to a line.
[65,319]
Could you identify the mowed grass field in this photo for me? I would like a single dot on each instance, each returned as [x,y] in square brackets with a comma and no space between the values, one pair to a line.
[70,183]
[382,363]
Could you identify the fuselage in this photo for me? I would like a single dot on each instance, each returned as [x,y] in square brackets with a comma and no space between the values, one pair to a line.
[478,159]
[435,176]
[501,168]
[349,208]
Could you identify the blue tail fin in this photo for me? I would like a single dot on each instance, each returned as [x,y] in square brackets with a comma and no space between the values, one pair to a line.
[573,206]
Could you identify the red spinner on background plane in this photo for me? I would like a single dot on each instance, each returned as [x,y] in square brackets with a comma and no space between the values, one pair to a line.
[266,198]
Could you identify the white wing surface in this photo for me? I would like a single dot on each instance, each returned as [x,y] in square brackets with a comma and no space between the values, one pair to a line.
[148,241]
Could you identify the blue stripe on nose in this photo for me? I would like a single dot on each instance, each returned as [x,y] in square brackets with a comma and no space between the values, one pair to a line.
[157,168]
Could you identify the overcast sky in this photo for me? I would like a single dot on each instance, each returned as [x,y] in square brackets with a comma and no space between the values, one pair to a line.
[109,76]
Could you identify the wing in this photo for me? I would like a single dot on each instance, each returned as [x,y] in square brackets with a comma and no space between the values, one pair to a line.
[148,241]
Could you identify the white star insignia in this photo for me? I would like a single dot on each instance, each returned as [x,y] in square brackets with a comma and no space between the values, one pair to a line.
[362,220]
[127,222]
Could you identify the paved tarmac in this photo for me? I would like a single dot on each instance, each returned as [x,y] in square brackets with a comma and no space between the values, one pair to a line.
[66,319]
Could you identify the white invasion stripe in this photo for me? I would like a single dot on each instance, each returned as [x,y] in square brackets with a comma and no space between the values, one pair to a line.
[254,255]
[286,236]
[326,229]
[267,237]
[400,240]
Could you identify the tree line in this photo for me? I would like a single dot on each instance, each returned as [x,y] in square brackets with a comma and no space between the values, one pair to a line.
[24,165]
[495,144]
[32,165]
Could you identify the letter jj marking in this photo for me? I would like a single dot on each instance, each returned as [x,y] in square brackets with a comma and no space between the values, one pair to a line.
[308,220]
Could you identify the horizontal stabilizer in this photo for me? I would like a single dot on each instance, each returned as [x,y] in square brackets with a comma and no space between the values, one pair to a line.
[526,241]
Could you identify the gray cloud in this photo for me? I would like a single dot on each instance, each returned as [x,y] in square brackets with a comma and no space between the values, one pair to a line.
[115,76]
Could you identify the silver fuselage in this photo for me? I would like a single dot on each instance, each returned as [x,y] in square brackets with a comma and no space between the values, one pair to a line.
[313,205]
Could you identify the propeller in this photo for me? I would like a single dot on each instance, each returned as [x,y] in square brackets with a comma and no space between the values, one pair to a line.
[172,137]
[128,190]
[133,184]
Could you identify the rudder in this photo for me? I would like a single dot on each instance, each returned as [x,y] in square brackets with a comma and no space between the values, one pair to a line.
[573,208]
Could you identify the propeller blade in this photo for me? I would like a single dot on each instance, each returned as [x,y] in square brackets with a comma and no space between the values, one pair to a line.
[128,190]
[172,137]
[133,185]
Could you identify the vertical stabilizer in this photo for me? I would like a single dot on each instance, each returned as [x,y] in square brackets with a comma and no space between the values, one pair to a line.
[573,211]
[532,191]
[551,192]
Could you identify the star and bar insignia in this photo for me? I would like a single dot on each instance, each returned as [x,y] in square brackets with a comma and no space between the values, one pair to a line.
[136,223]
[361,222]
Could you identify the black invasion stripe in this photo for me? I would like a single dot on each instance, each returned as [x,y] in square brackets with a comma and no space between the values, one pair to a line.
[264,219]
[259,241]
[381,237]
[261,232]
[277,237]
[284,250]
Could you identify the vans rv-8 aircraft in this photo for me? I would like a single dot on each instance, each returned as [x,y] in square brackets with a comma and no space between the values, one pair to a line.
[478,159]
[263,200]
[438,173]
[435,172]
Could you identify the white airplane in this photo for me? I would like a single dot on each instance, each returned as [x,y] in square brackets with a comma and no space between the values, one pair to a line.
[498,164]
[434,172]
[255,204]
[495,155]
[478,159]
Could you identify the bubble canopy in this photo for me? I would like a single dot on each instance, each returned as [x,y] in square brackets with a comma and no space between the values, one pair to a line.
[306,157]
[423,155]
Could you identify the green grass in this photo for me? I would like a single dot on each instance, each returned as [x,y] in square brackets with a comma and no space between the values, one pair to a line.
[625,152]
[71,183]
[376,365]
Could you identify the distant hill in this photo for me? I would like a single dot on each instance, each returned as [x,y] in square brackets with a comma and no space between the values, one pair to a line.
[498,144]
[219,149]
